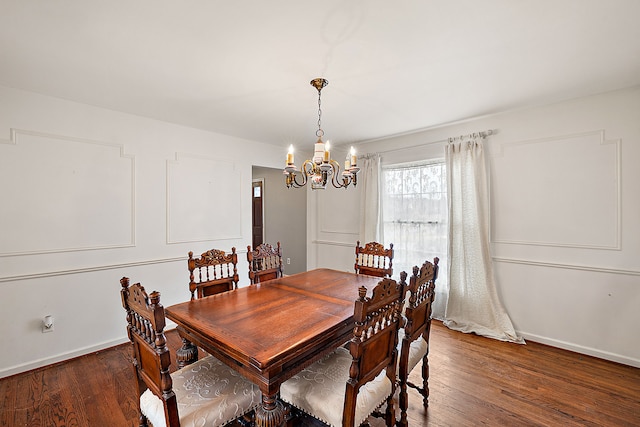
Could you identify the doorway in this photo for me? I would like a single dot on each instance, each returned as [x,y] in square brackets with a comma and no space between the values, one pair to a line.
[279,214]
[257,212]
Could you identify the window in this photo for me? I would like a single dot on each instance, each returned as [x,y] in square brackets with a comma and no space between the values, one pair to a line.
[415,216]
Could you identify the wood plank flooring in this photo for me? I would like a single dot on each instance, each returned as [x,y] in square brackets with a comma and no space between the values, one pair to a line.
[474,381]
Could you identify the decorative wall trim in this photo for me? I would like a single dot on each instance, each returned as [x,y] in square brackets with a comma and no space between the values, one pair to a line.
[617,166]
[330,243]
[521,261]
[323,230]
[327,208]
[91,269]
[15,134]
[617,247]
[98,268]
[216,217]
[568,266]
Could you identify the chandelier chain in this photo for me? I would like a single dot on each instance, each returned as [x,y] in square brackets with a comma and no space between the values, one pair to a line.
[319,132]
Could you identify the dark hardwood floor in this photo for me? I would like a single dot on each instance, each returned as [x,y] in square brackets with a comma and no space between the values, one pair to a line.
[474,381]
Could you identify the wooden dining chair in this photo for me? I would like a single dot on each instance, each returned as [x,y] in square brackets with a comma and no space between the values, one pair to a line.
[265,262]
[362,378]
[205,393]
[374,260]
[414,337]
[213,272]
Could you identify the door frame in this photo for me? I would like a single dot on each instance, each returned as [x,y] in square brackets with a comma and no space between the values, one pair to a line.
[262,186]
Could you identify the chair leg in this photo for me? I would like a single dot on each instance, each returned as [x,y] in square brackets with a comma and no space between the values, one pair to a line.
[403,402]
[425,381]
[390,414]
[403,377]
[404,384]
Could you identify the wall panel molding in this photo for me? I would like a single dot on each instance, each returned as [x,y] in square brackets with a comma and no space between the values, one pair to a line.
[521,261]
[328,211]
[548,191]
[75,194]
[591,268]
[214,214]
[92,269]
[332,243]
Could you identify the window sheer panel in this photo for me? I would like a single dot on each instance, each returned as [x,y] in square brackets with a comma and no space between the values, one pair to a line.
[415,220]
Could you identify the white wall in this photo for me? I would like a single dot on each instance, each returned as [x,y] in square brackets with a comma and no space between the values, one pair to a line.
[89,195]
[122,180]
[565,206]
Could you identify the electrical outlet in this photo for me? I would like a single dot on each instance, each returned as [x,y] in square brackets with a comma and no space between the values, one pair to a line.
[47,324]
[288,260]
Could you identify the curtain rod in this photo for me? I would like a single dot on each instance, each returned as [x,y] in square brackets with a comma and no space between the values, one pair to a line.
[482,134]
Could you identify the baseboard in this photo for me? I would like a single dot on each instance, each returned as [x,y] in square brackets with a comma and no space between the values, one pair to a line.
[35,364]
[18,369]
[581,349]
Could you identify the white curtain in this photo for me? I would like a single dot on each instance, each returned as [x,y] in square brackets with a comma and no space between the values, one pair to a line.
[370,206]
[473,304]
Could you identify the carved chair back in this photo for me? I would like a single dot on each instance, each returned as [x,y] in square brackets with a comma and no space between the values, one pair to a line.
[374,260]
[421,290]
[213,272]
[265,262]
[145,327]
[375,341]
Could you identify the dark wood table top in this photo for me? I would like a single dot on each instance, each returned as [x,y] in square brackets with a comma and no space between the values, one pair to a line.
[270,331]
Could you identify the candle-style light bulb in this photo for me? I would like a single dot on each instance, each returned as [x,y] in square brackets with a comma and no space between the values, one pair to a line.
[354,158]
[290,155]
[326,152]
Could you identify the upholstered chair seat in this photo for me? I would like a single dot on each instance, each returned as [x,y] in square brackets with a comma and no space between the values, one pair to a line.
[417,350]
[319,390]
[208,392]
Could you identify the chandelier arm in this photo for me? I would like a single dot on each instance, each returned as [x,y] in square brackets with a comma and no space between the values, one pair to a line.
[336,172]
[296,184]
[308,169]
[292,181]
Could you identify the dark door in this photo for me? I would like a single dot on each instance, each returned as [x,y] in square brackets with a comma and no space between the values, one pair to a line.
[257,210]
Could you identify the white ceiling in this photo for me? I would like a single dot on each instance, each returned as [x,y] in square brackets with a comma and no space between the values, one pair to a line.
[243,67]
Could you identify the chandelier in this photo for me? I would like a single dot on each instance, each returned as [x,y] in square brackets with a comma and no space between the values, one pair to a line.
[321,169]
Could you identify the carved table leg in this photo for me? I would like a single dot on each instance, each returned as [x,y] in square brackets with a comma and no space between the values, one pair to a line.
[271,413]
[187,354]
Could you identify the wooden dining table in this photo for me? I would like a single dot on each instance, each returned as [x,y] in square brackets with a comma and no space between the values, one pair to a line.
[272,330]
